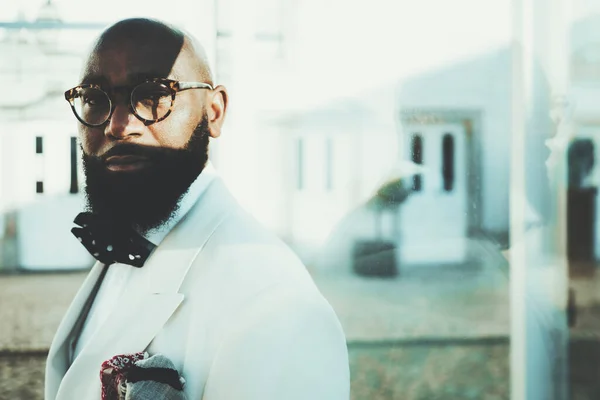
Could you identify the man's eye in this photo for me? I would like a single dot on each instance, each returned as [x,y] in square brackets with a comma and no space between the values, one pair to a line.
[90,98]
[155,100]
[157,96]
[91,101]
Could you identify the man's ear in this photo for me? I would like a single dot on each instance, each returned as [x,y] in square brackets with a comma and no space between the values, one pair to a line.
[217,109]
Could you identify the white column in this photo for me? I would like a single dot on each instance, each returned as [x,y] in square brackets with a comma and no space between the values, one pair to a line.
[538,270]
[238,147]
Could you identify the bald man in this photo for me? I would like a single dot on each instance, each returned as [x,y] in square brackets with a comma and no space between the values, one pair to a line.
[182,272]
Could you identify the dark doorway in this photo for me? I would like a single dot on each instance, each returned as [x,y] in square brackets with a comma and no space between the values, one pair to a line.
[581,203]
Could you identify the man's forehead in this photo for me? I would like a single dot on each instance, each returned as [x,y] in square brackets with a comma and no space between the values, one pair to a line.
[119,66]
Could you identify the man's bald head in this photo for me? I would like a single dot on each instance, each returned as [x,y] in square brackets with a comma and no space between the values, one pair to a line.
[132,63]
[157,40]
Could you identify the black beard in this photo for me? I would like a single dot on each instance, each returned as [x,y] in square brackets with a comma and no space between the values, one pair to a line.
[149,198]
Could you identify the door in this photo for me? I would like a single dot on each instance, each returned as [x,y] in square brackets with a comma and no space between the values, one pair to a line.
[320,185]
[434,218]
[589,178]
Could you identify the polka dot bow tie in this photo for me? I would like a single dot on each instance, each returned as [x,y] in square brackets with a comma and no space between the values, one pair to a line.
[111,243]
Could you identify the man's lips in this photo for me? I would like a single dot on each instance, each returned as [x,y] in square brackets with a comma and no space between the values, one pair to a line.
[126,162]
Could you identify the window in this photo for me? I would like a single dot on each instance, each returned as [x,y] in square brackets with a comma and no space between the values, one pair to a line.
[417,158]
[448,162]
[269,29]
[268,26]
[39,155]
[74,181]
[223,60]
[39,145]
[580,162]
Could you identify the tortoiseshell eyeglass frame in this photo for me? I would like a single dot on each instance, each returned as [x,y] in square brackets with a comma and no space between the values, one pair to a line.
[173,85]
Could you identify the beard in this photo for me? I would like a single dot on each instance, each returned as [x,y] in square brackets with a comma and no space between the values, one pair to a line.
[148,198]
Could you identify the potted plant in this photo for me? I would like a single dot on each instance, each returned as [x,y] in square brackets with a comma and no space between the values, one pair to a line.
[378,256]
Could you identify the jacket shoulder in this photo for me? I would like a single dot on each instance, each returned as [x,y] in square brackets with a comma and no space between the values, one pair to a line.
[243,250]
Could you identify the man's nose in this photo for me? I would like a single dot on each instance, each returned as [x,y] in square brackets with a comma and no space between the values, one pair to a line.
[123,124]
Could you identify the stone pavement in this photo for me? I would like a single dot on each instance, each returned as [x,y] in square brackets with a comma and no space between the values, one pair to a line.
[31,307]
[477,372]
[443,304]
[434,302]
[431,333]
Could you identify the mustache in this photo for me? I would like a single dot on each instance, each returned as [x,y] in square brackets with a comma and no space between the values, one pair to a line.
[128,149]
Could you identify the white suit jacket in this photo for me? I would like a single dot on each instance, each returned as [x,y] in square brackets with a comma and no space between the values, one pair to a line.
[228,303]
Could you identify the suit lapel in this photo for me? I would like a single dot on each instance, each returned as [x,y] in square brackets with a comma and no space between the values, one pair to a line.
[58,355]
[151,299]
[130,329]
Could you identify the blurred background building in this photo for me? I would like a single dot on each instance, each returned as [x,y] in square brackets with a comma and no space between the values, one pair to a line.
[320,117]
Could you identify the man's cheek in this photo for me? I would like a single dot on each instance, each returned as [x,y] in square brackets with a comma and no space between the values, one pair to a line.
[90,141]
[173,138]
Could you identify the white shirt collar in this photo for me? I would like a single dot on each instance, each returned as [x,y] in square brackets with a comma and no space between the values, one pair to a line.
[196,189]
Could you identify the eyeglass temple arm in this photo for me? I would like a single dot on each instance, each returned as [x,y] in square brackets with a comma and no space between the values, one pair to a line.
[194,85]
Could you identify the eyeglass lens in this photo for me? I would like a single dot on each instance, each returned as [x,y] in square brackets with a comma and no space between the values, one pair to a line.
[150,101]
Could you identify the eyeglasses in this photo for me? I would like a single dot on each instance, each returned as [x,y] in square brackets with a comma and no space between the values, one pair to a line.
[150,101]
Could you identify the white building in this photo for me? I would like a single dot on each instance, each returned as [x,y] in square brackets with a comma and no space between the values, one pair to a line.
[41,178]
[458,118]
